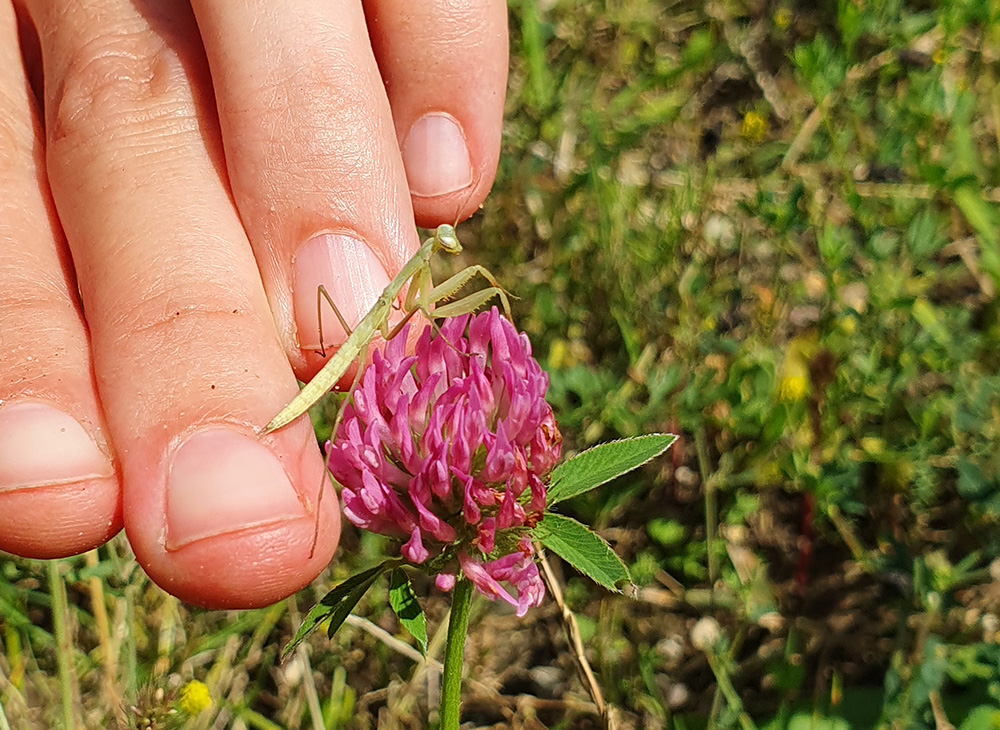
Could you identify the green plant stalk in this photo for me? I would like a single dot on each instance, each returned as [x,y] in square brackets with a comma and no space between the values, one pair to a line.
[57,590]
[711,508]
[99,606]
[131,651]
[532,47]
[257,721]
[458,627]
[729,691]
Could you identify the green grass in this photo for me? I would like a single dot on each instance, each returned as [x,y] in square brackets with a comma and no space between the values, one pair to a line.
[770,228]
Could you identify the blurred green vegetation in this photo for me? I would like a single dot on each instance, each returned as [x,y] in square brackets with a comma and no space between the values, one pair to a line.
[771,228]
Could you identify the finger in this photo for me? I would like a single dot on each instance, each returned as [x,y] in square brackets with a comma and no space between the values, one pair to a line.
[312,157]
[59,494]
[444,64]
[187,361]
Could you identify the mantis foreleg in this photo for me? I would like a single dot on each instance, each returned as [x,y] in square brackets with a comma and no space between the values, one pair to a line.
[447,289]
[469,304]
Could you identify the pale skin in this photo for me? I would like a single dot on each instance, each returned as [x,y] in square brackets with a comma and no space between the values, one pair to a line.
[157,188]
[422,296]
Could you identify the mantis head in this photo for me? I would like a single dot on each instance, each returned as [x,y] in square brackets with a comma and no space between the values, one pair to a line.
[446,238]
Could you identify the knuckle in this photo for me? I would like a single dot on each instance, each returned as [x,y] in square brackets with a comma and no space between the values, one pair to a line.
[172,297]
[126,87]
[175,350]
[186,336]
[39,326]
[25,295]
[184,316]
[18,139]
[310,91]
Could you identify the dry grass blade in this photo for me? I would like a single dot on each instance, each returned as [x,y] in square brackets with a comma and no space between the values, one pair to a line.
[854,75]
[309,684]
[605,710]
[4,725]
[746,46]
[941,721]
[400,647]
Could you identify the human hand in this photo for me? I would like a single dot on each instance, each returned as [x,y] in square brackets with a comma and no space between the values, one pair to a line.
[209,170]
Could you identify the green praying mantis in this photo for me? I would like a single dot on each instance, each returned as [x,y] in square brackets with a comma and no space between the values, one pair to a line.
[422,296]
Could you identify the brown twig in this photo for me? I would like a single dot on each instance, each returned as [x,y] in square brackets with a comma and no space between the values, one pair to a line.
[966,250]
[806,132]
[846,533]
[605,710]
[737,188]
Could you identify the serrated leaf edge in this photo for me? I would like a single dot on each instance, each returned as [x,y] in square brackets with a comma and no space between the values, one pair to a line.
[613,588]
[555,472]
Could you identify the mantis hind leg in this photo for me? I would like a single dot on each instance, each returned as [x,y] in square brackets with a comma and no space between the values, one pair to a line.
[390,333]
[321,294]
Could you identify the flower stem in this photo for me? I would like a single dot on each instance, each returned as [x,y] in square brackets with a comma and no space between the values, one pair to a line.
[458,625]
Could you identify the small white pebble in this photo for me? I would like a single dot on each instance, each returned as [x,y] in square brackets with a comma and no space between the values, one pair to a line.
[995,570]
[670,649]
[546,678]
[677,696]
[686,476]
[706,633]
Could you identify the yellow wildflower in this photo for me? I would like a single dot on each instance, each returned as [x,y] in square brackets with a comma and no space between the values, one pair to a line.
[793,388]
[793,377]
[872,445]
[195,697]
[754,127]
[782,18]
[848,325]
[558,354]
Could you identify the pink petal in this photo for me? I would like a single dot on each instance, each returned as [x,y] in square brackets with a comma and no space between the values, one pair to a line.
[444,581]
[470,510]
[483,581]
[487,534]
[499,457]
[413,549]
[507,516]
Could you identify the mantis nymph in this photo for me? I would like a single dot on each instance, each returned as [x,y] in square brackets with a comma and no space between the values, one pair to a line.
[420,297]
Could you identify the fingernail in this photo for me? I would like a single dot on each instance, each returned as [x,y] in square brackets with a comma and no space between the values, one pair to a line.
[353,277]
[436,156]
[221,482]
[41,446]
